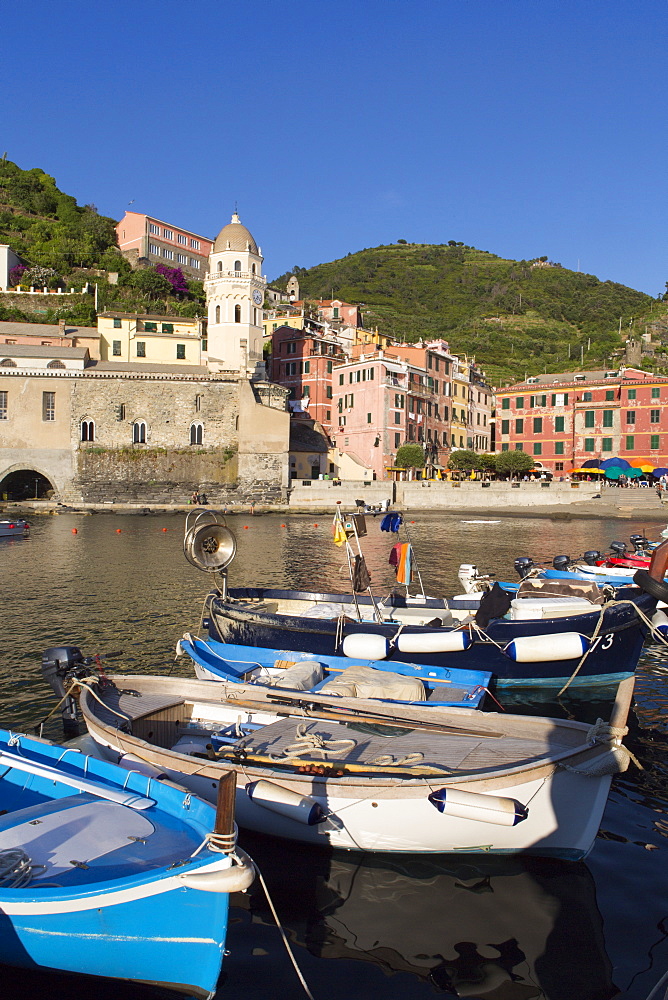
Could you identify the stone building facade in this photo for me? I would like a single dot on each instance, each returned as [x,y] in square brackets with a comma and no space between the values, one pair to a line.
[108,434]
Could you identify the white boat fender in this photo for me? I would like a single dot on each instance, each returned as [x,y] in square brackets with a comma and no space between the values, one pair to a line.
[365,646]
[476,806]
[443,641]
[660,622]
[557,646]
[284,801]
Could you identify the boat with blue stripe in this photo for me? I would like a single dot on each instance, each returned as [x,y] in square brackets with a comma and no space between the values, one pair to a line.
[107,871]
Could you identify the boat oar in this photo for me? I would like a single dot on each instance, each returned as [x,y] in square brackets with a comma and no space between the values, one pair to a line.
[321,707]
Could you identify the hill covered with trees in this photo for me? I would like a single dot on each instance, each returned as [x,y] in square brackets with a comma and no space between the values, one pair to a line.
[516,317]
[65,245]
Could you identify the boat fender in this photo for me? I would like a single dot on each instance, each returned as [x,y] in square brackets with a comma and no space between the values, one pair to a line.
[476,806]
[444,641]
[365,646]
[660,622]
[132,763]
[537,648]
[284,801]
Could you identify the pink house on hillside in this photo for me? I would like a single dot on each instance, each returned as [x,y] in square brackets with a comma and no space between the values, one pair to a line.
[145,240]
[303,360]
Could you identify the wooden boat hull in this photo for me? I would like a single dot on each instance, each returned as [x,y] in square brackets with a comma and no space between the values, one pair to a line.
[121,895]
[371,807]
[249,617]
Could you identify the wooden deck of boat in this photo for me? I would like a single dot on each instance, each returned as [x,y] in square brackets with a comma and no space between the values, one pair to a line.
[166,717]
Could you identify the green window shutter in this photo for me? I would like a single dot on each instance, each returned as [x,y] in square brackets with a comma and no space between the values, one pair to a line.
[589,418]
[588,444]
[607,418]
[538,448]
[505,403]
[559,425]
[505,426]
[558,447]
[654,442]
[606,444]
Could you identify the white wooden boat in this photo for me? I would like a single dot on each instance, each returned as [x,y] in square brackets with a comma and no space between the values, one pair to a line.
[352,773]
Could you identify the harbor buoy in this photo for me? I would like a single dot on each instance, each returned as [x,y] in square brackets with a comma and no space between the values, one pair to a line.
[282,526]
[558,646]
[365,646]
[118,531]
[164,529]
[476,806]
[245,527]
[284,801]
[433,642]
[75,531]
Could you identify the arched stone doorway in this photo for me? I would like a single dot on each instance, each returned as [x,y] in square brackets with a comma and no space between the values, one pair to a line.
[25,484]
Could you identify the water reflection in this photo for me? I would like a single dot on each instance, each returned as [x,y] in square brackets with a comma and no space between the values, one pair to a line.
[468,927]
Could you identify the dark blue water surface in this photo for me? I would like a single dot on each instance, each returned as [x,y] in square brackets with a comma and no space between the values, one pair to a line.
[359,925]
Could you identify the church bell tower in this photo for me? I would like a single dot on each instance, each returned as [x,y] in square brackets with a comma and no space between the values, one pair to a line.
[234,289]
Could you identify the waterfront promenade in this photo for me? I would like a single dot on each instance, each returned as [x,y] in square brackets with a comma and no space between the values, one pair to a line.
[558,501]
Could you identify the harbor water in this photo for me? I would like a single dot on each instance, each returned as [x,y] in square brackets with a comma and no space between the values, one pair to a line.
[363,926]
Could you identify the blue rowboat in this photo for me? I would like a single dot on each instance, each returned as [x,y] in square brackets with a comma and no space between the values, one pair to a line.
[298,670]
[110,872]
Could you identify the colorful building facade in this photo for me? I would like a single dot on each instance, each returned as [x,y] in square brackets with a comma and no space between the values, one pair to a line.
[567,419]
[144,240]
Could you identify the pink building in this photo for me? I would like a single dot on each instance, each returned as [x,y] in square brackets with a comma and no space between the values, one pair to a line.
[383,400]
[61,334]
[145,240]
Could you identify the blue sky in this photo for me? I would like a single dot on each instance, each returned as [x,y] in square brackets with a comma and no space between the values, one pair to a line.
[516,126]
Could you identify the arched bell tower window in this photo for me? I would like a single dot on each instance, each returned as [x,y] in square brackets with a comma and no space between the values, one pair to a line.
[139,432]
[87,430]
[253,268]
[196,432]
[220,265]
[237,314]
[217,314]
[237,265]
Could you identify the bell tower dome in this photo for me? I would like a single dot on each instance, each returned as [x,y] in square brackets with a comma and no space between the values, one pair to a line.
[234,289]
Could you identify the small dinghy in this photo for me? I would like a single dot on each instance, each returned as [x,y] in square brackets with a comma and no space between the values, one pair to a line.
[110,872]
[16,528]
[359,774]
[405,683]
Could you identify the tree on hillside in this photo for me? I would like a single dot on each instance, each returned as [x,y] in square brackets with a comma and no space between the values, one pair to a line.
[150,283]
[513,463]
[410,456]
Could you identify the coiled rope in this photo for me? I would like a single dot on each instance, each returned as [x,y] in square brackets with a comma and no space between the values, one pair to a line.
[17,869]
[313,743]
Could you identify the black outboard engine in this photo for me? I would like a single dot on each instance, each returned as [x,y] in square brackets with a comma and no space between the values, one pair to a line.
[561,563]
[591,557]
[59,664]
[619,548]
[523,565]
[640,543]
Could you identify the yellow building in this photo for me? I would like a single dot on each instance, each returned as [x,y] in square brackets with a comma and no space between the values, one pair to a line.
[460,422]
[167,340]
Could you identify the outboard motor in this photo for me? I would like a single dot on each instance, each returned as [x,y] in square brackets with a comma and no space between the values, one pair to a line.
[592,556]
[640,544]
[561,563]
[619,548]
[59,664]
[523,565]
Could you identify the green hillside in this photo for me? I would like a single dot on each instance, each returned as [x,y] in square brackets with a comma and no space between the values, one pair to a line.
[65,245]
[516,317]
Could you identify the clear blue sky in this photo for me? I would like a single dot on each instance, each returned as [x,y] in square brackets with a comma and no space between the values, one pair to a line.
[517,126]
